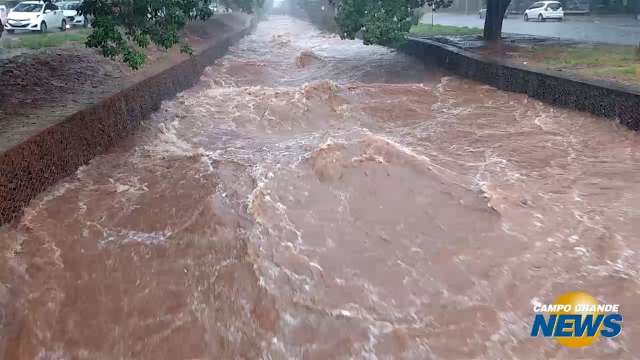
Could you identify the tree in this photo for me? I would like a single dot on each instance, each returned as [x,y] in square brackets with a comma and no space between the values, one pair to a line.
[383,22]
[122,28]
[495,16]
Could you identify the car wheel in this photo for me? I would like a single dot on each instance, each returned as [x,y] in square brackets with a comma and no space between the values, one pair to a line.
[63,25]
[526,17]
[43,27]
[540,18]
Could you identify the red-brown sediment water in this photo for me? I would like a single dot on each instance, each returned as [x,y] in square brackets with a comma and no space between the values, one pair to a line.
[317,198]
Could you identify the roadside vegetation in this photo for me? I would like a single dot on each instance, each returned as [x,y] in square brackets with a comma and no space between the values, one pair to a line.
[443,30]
[614,62]
[123,29]
[387,22]
[39,41]
[601,61]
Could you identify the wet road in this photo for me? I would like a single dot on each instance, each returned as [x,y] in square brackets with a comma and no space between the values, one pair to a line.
[625,31]
[315,198]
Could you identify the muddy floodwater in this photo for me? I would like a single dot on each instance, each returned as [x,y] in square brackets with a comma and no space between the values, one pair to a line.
[314,198]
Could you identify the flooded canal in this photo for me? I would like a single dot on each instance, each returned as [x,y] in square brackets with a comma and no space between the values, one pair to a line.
[316,198]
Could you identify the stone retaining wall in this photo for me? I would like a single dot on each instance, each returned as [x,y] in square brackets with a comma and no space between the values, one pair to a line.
[600,97]
[58,151]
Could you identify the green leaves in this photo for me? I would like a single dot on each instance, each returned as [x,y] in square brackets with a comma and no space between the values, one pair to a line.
[383,22]
[122,29]
[350,17]
[386,23]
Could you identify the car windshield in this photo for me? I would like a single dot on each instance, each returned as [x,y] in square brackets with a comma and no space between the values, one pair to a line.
[22,7]
[554,6]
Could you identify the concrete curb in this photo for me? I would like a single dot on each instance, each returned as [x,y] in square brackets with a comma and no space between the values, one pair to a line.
[58,151]
[600,97]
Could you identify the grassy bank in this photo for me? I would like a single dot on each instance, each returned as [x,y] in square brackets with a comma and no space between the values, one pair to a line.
[443,30]
[607,61]
[611,62]
[38,41]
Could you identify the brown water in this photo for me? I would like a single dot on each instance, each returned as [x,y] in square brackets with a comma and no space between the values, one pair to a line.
[316,198]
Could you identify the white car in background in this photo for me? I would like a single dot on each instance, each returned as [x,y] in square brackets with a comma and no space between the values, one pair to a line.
[70,12]
[543,10]
[35,16]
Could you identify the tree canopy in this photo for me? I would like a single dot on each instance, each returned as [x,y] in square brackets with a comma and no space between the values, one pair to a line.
[122,28]
[383,22]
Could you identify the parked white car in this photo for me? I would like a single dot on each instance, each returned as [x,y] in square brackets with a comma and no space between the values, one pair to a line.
[70,12]
[35,16]
[543,10]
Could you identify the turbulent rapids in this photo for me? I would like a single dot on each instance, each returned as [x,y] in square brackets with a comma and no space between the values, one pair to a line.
[317,198]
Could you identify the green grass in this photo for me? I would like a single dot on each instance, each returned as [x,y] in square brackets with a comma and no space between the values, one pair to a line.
[604,61]
[630,72]
[38,41]
[591,56]
[443,30]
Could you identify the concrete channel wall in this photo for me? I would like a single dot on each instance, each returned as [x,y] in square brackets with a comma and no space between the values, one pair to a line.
[32,166]
[600,97]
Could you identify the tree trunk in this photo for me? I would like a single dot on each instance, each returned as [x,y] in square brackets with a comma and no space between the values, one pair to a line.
[494,17]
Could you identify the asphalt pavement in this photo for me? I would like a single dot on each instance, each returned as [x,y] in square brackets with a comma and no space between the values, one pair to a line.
[613,29]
